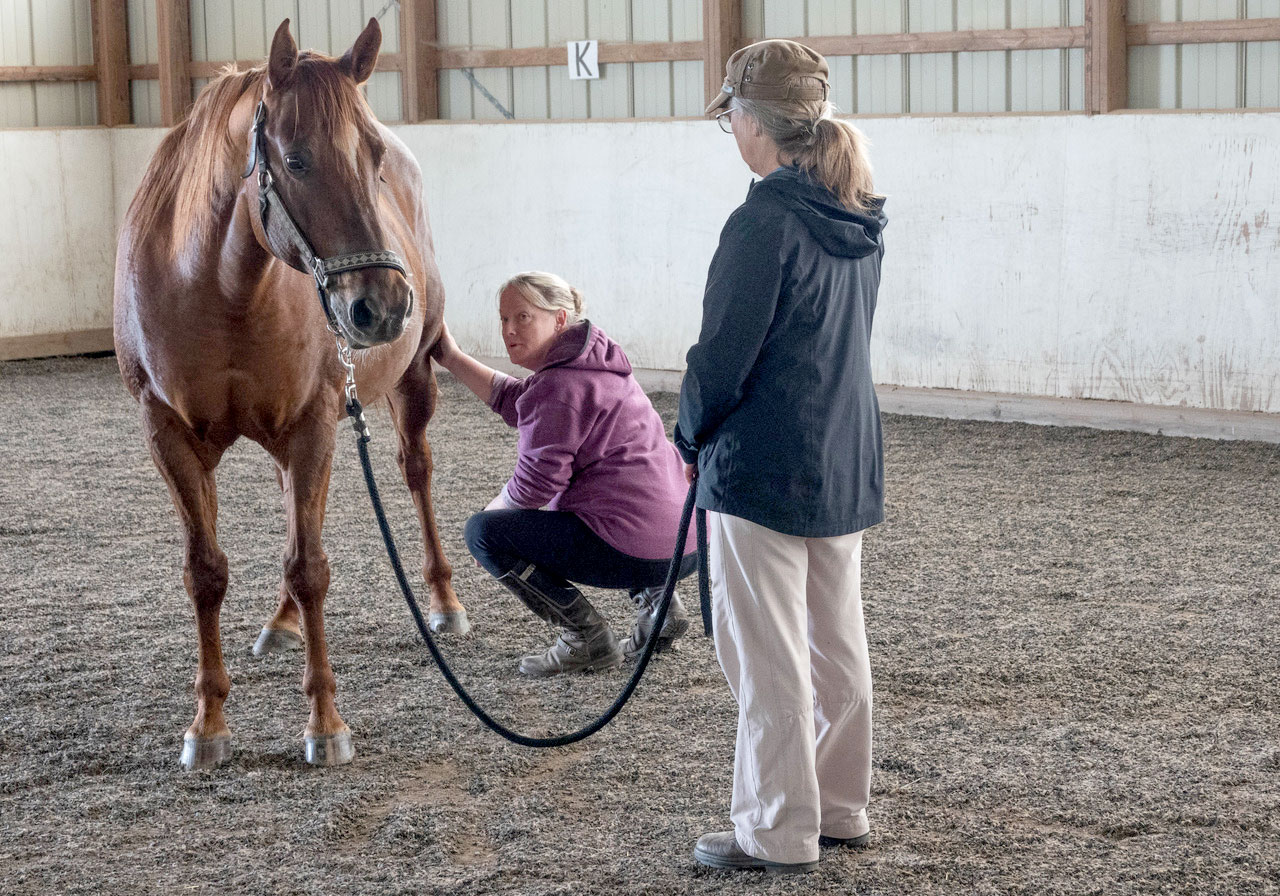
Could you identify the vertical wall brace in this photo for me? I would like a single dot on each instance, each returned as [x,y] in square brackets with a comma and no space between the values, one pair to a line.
[721,36]
[173,30]
[111,59]
[1106,56]
[420,77]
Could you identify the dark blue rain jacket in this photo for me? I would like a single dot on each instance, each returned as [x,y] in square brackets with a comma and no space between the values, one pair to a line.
[777,407]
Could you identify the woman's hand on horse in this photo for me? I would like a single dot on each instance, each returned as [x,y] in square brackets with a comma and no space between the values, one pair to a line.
[445,351]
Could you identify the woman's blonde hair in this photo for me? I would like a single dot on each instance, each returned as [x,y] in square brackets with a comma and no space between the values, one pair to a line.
[548,292]
[830,150]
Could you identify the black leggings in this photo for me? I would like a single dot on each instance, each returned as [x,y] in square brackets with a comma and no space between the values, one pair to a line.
[560,544]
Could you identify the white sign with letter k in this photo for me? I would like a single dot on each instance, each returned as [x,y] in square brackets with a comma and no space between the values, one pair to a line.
[582,60]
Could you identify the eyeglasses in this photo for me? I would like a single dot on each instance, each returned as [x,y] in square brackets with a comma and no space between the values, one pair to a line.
[725,122]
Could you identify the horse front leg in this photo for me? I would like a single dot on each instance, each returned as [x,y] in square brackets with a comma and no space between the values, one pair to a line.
[305,466]
[283,631]
[412,402]
[187,466]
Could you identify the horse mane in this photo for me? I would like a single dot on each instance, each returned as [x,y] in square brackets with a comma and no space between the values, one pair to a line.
[196,169]
[192,172]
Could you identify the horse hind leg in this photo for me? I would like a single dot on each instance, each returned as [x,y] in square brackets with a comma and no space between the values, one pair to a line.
[187,467]
[283,631]
[413,402]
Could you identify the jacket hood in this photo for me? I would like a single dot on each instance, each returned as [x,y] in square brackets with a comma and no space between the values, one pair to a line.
[840,232]
[585,347]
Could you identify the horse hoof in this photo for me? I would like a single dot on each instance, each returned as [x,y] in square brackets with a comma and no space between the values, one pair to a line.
[276,640]
[329,749]
[205,752]
[449,623]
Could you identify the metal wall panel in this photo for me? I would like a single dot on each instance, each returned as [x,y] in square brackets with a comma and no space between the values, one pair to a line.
[1204,76]
[1262,61]
[224,30]
[52,32]
[144,50]
[932,83]
[46,32]
[623,90]
[17,101]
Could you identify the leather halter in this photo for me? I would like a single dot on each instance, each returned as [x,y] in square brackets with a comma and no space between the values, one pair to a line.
[270,200]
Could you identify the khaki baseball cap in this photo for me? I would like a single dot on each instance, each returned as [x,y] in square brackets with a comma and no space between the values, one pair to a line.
[778,70]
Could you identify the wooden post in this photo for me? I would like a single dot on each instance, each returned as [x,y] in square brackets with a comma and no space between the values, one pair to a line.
[420,76]
[1106,56]
[721,36]
[111,61]
[173,30]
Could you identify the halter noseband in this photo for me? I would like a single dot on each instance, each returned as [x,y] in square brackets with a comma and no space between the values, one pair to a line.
[269,198]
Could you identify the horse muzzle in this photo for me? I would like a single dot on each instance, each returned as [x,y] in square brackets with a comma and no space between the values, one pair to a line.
[371,306]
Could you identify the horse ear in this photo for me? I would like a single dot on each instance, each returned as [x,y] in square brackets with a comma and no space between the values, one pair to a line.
[358,62]
[283,62]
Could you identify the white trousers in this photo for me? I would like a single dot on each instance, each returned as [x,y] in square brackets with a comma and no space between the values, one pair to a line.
[789,635]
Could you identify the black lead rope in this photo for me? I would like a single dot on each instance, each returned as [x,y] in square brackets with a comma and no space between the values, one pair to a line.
[356,412]
[321,268]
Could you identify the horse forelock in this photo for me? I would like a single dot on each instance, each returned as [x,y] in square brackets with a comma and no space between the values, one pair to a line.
[326,99]
[197,168]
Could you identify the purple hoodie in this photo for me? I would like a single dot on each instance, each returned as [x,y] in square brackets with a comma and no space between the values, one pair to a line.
[592,444]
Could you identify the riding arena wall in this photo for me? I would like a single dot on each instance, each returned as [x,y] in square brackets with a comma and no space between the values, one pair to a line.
[1115,270]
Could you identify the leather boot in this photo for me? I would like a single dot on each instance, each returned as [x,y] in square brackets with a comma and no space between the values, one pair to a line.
[647,601]
[585,645]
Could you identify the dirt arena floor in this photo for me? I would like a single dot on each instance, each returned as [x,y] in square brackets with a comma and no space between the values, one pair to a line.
[1073,635]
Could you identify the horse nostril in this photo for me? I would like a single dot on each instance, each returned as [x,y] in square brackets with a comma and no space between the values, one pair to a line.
[361,314]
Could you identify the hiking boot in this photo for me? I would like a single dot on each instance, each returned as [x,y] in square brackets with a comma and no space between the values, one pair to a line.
[573,652]
[861,842]
[721,850]
[647,601]
[585,645]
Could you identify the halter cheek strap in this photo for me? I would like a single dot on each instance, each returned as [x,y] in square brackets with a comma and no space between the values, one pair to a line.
[271,204]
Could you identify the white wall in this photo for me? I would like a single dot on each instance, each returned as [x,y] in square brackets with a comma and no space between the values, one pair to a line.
[57,230]
[1127,257]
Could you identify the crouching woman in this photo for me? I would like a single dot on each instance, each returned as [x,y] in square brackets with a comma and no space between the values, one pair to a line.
[594,453]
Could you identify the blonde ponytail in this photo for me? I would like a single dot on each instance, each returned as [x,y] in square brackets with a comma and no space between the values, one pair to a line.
[832,151]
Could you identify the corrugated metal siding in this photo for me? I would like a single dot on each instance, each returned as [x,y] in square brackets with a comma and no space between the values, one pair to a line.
[1247,75]
[46,32]
[1204,76]
[1006,81]
[624,90]
[242,29]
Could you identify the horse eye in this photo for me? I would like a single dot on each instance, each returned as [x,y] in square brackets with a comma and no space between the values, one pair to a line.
[294,162]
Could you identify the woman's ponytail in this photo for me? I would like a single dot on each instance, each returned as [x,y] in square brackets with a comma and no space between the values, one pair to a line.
[832,151]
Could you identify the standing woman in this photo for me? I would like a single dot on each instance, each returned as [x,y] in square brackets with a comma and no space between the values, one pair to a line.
[594,453]
[780,426]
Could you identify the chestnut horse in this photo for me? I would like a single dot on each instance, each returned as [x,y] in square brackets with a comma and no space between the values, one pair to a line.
[220,333]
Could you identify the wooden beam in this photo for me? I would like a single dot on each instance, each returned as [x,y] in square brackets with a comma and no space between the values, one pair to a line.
[173,30]
[721,37]
[387,62]
[1152,34]
[420,65]
[10,73]
[1106,57]
[45,345]
[947,41]
[678,51]
[111,59]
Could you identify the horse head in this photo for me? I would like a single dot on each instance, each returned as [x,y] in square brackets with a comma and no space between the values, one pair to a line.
[319,155]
